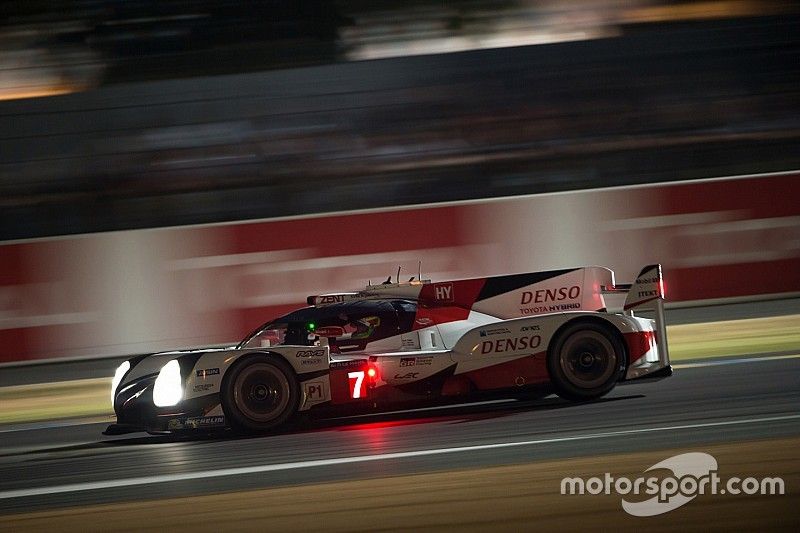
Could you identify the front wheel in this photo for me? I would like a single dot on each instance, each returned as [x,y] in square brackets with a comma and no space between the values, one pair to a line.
[260,393]
[586,362]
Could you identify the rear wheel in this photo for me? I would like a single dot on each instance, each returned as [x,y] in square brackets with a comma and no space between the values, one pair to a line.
[586,361]
[260,393]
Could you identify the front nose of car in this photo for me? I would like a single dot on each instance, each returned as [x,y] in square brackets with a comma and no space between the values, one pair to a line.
[133,402]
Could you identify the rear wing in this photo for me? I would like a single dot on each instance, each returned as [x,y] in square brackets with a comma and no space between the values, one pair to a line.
[646,294]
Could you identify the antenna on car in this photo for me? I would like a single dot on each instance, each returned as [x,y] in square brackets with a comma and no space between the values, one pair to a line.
[419,270]
[398,274]
[388,280]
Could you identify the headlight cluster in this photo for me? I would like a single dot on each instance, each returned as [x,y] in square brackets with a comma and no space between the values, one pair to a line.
[118,375]
[168,388]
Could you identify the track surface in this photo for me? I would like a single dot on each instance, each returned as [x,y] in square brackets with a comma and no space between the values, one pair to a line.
[698,405]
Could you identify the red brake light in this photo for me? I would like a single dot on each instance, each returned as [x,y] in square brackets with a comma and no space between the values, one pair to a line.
[373,376]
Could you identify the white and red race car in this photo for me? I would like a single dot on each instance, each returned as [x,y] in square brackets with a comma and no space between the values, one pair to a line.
[400,344]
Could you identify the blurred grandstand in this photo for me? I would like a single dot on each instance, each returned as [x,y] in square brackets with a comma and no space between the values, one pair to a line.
[165,113]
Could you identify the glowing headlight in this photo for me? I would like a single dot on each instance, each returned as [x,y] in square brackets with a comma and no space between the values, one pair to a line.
[118,375]
[168,389]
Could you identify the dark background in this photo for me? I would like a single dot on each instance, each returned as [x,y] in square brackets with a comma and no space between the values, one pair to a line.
[183,113]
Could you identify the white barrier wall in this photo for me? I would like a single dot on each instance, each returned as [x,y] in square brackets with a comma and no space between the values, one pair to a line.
[143,290]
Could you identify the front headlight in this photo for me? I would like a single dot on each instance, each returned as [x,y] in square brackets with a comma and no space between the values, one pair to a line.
[168,389]
[118,375]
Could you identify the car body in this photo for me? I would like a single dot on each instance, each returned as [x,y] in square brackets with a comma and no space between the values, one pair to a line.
[398,344]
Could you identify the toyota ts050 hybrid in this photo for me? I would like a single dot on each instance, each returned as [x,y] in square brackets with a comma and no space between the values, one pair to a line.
[396,344]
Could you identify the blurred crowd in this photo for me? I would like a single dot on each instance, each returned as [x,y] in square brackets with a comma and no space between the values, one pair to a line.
[230,110]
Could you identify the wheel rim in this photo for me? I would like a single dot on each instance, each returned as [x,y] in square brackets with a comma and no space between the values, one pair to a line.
[261,392]
[588,359]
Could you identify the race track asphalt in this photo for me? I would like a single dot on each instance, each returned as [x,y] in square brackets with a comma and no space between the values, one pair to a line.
[67,465]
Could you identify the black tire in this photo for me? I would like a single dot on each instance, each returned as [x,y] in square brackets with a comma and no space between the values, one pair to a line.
[586,361]
[260,393]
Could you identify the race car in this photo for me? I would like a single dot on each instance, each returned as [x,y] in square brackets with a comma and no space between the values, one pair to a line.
[399,344]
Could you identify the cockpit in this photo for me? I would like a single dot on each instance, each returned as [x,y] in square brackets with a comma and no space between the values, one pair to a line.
[345,327]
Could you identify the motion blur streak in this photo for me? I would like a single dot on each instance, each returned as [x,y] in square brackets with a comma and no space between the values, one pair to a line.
[143,290]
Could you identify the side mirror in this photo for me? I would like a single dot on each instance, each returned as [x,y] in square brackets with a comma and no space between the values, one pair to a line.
[329,331]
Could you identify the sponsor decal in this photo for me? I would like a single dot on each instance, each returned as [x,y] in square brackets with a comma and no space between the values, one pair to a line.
[314,390]
[643,294]
[511,345]
[311,361]
[416,361]
[205,421]
[203,387]
[530,328]
[494,331]
[343,365]
[410,375]
[549,308]
[310,353]
[550,295]
[331,299]
[424,321]
[407,342]
[443,292]
[208,372]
